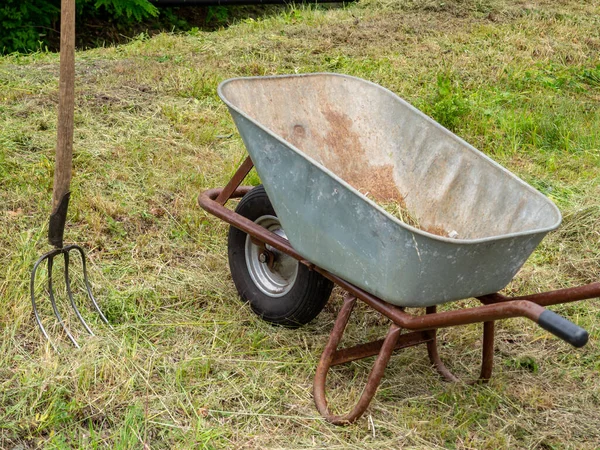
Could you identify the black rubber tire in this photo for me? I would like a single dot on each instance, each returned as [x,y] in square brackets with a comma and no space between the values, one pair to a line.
[307,296]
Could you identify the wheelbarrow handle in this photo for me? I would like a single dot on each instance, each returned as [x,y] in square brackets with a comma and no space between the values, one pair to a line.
[66,107]
[563,328]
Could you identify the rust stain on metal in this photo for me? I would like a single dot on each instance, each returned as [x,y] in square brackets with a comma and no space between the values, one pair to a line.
[344,154]
[435,229]
[340,149]
[299,131]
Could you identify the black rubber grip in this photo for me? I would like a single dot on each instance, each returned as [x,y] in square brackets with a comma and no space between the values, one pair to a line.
[563,328]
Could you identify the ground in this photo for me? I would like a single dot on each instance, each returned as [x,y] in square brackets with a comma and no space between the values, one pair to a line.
[186,364]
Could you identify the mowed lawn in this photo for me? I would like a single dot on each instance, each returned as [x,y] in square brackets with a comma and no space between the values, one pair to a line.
[186,364]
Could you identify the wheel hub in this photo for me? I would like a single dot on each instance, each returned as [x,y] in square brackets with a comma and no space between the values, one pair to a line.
[272,271]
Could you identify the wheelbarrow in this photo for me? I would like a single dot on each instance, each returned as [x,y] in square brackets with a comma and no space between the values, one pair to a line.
[331,151]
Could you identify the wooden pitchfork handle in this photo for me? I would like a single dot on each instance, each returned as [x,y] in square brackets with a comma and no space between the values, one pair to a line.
[66,108]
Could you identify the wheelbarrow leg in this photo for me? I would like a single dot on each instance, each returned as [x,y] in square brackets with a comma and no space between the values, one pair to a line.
[487,353]
[433,354]
[375,375]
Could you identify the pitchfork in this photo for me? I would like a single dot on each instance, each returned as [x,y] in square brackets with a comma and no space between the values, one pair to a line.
[62,181]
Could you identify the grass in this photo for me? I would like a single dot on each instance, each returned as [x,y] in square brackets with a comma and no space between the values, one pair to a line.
[186,365]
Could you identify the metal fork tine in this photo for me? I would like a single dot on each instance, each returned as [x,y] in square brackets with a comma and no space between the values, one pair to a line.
[70,295]
[49,257]
[86,281]
[53,301]
[33,302]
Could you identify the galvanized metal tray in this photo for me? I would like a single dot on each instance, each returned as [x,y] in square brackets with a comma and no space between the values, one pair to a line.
[328,148]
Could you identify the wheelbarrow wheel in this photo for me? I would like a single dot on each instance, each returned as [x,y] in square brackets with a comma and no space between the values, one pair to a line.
[278,288]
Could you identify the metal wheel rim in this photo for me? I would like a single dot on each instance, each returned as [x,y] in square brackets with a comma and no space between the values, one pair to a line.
[280,280]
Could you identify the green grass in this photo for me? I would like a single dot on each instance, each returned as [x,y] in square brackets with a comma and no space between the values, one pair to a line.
[186,365]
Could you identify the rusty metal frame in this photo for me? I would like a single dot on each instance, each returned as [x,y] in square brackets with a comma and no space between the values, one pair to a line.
[423,327]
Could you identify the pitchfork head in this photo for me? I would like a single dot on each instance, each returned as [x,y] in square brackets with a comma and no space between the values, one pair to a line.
[49,258]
